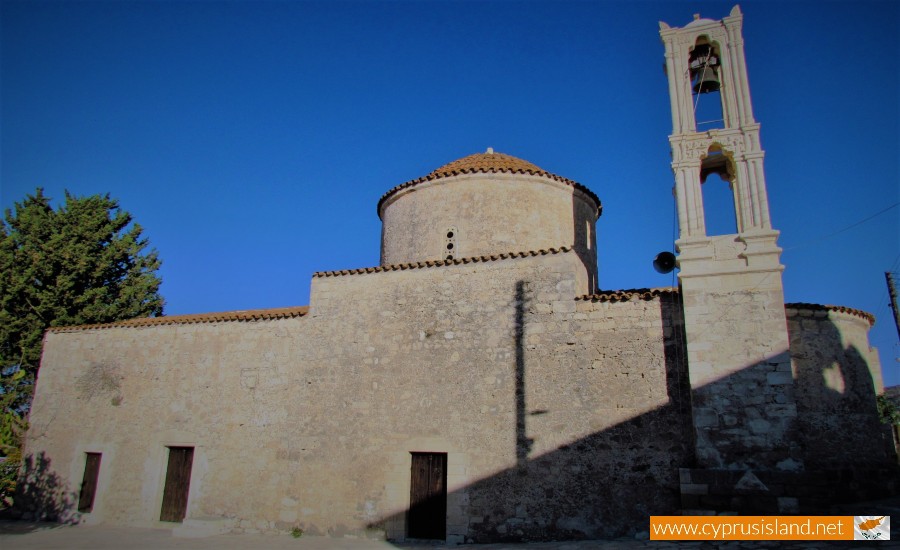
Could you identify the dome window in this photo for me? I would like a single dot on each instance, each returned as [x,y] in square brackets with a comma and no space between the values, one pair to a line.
[450,243]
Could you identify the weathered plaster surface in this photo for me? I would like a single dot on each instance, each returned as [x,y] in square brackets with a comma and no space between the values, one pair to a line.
[310,422]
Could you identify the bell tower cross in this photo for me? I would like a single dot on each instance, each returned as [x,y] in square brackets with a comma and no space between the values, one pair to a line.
[744,411]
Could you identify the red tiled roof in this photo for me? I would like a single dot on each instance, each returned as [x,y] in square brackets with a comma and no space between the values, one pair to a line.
[840,309]
[490,162]
[439,263]
[650,293]
[487,162]
[626,295]
[245,315]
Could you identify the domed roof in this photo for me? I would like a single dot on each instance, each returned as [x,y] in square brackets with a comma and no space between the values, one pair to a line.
[488,162]
[702,20]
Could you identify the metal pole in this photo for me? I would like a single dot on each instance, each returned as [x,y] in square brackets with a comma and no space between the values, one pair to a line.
[892,290]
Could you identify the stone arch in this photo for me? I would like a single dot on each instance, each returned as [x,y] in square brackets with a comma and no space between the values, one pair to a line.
[717,182]
[708,108]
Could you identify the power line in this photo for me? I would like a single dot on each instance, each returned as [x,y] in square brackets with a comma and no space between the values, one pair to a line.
[838,232]
[895,265]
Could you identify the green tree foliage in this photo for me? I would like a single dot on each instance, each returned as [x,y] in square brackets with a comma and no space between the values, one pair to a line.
[12,428]
[887,411]
[79,264]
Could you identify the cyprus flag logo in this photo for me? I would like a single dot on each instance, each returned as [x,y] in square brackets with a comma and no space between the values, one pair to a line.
[871,527]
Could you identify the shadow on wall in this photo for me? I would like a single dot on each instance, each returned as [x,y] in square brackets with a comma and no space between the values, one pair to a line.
[834,452]
[609,483]
[834,389]
[42,495]
[600,486]
[584,239]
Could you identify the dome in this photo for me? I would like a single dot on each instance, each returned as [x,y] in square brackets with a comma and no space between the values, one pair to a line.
[698,21]
[488,204]
[488,162]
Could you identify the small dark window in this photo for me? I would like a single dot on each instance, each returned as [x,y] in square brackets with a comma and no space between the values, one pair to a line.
[450,242]
[89,482]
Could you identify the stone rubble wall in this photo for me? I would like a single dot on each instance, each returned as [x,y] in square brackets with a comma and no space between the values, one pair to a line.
[744,409]
[837,378]
[416,220]
[559,417]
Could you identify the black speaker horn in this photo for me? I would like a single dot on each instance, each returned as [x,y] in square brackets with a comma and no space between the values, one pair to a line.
[664,262]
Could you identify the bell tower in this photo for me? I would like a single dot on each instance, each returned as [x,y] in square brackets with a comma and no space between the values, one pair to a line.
[744,412]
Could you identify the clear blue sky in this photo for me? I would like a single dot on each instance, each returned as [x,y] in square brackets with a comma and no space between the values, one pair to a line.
[252,140]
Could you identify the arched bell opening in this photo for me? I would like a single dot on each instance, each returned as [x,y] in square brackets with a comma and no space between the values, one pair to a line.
[705,64]
[717,183]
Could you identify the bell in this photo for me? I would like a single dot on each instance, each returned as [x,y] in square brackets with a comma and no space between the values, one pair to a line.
[706,80]
[704,67]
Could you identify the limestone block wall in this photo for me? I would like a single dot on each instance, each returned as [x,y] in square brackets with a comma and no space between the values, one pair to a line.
[558,405]
[743,395]
[611,373]
[559,417]
[128,393]
[837,379]
[490,213]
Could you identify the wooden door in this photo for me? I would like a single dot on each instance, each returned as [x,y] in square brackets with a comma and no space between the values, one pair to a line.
[178,483]
[427,518]
[89,482]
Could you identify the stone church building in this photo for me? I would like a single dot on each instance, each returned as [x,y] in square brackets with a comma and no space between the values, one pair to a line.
[477,386]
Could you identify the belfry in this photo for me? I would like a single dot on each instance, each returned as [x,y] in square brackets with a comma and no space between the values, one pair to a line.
[728,279]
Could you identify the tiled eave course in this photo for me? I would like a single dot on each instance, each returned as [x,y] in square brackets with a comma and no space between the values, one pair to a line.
[300,311]
[451,173]
[626,295]
[650,293]
[197,318]
[801,306]
[441,263]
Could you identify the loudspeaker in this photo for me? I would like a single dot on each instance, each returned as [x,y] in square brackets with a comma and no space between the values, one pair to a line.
[664,262]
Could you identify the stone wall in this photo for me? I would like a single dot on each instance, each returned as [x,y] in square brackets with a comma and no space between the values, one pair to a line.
[490,213]
[847,454]
[560,417]
[613,370]
[743,395]
[838,377]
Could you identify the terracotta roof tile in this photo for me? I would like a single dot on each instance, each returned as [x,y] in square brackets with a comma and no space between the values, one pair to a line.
[650,293]
[800,306]
[490,162]
[225,316]
[440,263]
[629,294]
[487,162]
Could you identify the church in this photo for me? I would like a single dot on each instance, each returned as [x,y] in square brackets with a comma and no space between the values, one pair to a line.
[477,386]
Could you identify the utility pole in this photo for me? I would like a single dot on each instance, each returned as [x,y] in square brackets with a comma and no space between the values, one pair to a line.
[892,290]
